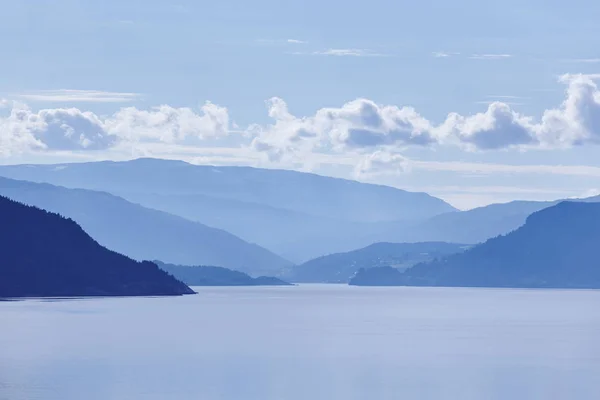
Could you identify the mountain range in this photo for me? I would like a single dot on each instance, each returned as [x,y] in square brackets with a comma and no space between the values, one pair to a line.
[46,255]
[556,248]
[145,234]
[341,267]
[296,215]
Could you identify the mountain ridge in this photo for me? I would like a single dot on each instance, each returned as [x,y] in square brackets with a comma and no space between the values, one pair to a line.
[47,255]
[557,247]
[143,233]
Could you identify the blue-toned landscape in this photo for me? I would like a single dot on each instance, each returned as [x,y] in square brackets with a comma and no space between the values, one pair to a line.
[299,200]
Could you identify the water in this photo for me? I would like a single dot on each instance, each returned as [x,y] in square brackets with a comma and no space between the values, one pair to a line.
[305,342]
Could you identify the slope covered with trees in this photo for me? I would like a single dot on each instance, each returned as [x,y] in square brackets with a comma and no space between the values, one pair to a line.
[142,233]
[216,276]
[556,248]
[46,255]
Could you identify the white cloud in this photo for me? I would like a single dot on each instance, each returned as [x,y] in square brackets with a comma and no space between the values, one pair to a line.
[490,56]
[78,96]
[381,163]
[364,125]
[348,53]
[356,128]
[73,129]
[359,125]
[444,54]
[296,41]
[168,124]
[498,127]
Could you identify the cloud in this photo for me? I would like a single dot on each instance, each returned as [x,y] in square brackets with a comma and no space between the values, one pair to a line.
[296,41]
[169,124]
[381,163]
[358,127]
[490,56]
[498,127]
[363,125]
[73,129]
[443,54]
[78,96]
[348,53]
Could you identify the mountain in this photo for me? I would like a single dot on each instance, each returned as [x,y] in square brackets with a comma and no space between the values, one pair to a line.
[341,267]
[288,190]
[471,226]
[300,215]
[476,225]
[216,276]
[46,255]
[556,248]
[143,233]
[293,235]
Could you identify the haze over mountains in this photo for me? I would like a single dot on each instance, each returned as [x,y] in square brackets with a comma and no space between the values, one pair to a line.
[556,248]
[341,267]
[143,233]
[300,215]
[46,255]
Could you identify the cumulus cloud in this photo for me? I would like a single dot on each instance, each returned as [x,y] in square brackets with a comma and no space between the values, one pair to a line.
[356,125]
[168,124]
[73,129]
[381,163]
[16,130]
[57,129]
[498,127]
[355,128]
[365,125]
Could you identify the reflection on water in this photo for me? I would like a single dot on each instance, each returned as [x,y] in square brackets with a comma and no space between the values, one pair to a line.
[305,342]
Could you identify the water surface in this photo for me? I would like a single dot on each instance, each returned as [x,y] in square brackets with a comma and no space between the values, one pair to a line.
[305,342]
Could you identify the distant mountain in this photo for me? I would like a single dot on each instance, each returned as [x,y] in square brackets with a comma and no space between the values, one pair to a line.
[46,255]
[556,248]
[143,233]
[471,226]
[289,190]
[216,276]
[341,267]
[293,235]
[297,215]
[478,224]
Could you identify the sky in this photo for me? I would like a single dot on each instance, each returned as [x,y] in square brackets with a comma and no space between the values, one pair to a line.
[474,102]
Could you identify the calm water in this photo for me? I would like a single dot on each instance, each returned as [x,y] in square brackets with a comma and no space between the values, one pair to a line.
[306,342]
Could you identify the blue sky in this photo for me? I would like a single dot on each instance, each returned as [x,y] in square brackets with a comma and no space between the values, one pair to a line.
[357,90]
